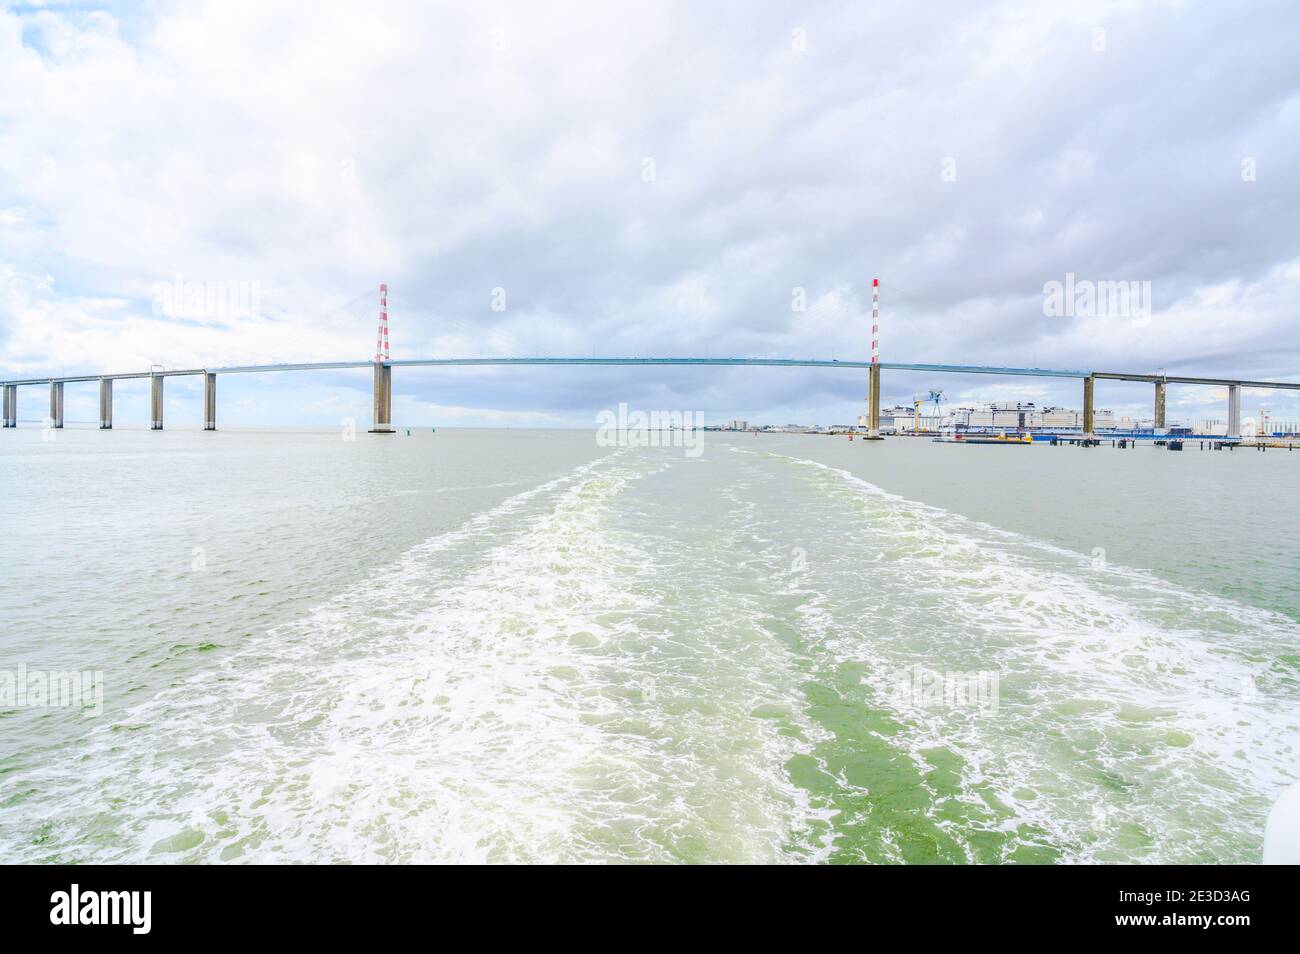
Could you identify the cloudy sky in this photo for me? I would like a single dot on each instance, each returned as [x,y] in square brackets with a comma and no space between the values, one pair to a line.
[702,179]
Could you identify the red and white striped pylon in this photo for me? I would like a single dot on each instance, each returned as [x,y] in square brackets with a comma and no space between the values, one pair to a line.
[875,321]
[381,341]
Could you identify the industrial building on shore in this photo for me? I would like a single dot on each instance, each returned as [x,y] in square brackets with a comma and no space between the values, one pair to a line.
[1027,416]
[1001,415]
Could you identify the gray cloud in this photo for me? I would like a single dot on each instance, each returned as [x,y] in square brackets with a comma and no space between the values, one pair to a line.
[451,152]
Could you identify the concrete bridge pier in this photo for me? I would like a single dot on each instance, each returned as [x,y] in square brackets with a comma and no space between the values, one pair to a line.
[9,405]
[1234,410]
[1160,406]
[56,404]
[156,402]
[105,404]
[383,414]
[873,402]
[1089,383]
[209,401]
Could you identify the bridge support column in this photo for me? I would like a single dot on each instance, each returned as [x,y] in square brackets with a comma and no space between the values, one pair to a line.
[56,404]
[9,404]
[1160,406]
[383,414]
[105,404]
[1088,385]
[1234,410]
[873,402]
[156,402]
[209,401]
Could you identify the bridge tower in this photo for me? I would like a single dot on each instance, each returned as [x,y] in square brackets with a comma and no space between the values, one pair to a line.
[873,389]
[383,405]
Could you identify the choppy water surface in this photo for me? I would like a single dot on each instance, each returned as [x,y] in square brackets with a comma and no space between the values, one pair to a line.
[522,646]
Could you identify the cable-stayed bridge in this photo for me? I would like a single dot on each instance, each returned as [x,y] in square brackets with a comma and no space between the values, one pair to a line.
[382,421]
[383,385]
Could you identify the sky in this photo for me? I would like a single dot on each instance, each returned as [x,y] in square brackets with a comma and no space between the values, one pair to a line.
[208,184]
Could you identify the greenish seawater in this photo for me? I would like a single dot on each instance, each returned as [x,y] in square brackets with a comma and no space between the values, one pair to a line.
[523,646]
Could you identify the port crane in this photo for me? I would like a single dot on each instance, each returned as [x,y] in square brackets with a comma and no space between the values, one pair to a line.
[918,400]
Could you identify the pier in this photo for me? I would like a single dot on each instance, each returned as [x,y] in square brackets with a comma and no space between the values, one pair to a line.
[382,422]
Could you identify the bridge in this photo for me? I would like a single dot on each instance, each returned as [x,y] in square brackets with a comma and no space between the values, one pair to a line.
[382,418]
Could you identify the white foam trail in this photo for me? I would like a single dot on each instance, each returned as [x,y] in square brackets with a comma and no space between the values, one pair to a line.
[486,698]
[325,698]
[1115,691]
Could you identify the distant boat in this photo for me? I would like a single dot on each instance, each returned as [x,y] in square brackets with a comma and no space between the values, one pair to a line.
[1000,439]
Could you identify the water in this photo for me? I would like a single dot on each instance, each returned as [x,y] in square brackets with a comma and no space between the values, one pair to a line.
[521,646]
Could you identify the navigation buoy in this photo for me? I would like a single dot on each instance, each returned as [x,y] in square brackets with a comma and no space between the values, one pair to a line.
[1282,830]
